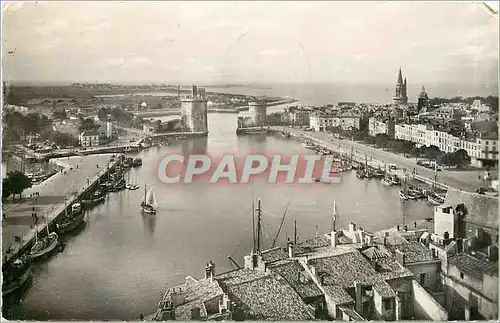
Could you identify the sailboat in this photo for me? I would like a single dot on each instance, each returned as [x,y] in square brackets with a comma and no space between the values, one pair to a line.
[45,245]
[132,186]
[148,204]
[434,198]
[403,194]
[386,180]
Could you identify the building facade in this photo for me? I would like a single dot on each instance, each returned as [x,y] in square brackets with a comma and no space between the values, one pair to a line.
[194,111]
[380,126]
[89,139]
[481,149]
[320,121]
[400,95]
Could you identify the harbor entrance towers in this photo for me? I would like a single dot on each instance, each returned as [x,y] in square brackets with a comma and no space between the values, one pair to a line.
[194,111]
[258,112]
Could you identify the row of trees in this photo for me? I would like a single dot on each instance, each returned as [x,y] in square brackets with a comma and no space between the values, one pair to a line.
[459,158]
[14,184]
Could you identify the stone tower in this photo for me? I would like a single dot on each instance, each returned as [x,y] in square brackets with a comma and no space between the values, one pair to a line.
[400,96]
[194,111]
[423,99]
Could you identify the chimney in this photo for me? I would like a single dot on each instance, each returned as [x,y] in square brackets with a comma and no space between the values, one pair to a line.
[386,235]
[210,270]
[291,251]
[460,245]
[333,239]
[196,314]
[359,297]
[368,239]
[493,253]
[352,227]
[195,91]
[397,227]
[400,257]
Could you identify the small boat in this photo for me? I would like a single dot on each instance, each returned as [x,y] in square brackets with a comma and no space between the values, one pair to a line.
[44,246]
[72,220]
[16,275]
[309,145]
[132,187]
[368,175]
[185,137]
[386,181]
[412,195]
[435,199]
[128,162]
[145,144]
[395,180]
[360,174]
[403,196]
[378,174]
[148,204]
[137,162]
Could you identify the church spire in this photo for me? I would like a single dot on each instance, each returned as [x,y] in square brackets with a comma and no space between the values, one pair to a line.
[400,76]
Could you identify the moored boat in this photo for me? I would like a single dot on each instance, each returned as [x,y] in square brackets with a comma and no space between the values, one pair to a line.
[72,220]
[137,162]
[403,196]
[435,199]
[132,187]
[309,145]
[16,275]
[44,246]
[97,197]
[360,174]
[395,180]
[386,181]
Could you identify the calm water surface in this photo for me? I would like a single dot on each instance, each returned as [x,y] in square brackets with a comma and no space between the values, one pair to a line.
[120,263]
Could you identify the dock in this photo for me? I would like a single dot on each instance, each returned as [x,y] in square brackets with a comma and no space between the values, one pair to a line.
[78,176]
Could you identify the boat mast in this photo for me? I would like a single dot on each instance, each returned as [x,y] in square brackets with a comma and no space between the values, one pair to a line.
[281,224]
[47,222]
[253,225]
[435,175]
[259,218]
[334,215]
[295,238]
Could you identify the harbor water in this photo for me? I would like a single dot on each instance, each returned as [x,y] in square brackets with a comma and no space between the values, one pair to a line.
[120,263]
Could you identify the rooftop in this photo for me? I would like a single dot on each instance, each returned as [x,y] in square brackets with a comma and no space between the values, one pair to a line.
[295,275]
[264,295]
[474,266]
[273,255]
[414,252]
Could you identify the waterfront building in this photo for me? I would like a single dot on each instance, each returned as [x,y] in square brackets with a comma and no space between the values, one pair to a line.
[381,126]
[480,107]
[400,96]
[194,111]
[320,121]
[89,139]
[423,100]
[258,112]
[483,149]
[465,238]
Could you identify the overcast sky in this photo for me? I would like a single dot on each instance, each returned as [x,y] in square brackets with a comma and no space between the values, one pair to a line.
[250,42]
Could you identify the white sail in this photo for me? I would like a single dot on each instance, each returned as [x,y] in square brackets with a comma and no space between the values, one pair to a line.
[151,198]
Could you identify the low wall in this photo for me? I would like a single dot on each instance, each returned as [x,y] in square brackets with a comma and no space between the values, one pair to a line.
[425,306]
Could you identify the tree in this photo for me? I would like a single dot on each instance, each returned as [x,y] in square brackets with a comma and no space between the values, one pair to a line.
[446,159]
[6,191]
[460,158]
[59,114]
[431,152]
[87,124]
[18,182]
[381,140]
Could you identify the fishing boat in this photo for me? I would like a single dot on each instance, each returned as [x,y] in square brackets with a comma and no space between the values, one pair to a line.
[368,174]
[378,174]
[127,163]
[360,174]
[386,181]
[148,204]
[72,220]
[16,275]
[402,195]
[435,199]
[96,197]
[285,134]
[395,180]
[132,186]
[137,162]
[145,144]
[309,145]
[44,246]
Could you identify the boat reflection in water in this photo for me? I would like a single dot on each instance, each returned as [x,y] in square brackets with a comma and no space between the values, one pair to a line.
[149,223]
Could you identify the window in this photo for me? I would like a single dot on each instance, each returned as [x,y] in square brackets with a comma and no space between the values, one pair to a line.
[387,304]
[461,275]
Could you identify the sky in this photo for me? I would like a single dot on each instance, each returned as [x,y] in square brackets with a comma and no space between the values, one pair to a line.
[249,42]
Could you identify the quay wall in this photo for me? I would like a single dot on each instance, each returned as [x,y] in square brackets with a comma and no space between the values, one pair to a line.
[57,211]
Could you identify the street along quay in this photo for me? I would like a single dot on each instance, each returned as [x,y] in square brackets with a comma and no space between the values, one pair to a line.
[49,200]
